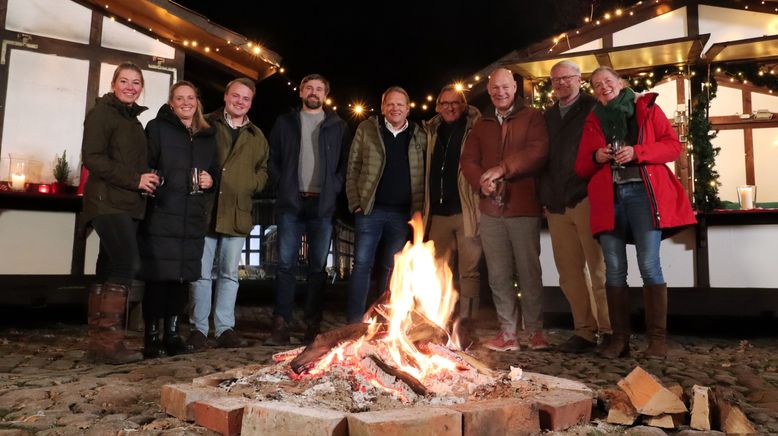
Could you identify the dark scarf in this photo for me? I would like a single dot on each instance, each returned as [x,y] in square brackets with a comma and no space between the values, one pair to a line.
[614,115]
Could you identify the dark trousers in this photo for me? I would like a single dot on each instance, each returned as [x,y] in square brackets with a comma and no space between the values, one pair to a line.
[118,260]
[163,299]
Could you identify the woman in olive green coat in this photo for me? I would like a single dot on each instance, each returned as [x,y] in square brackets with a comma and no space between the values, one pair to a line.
[114,152]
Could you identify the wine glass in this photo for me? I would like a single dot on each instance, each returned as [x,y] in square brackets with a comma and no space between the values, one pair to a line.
[616,145]
[499,192]
[194,179]
[161,182]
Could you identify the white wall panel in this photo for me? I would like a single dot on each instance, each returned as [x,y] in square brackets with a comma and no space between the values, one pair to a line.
[667,26]
[765,164]
[592,45]
[743,256]
[764,101]
[36,242]
[44,112]
[728,101]
[726,24]
[118,36]
[730,163]
[60,19]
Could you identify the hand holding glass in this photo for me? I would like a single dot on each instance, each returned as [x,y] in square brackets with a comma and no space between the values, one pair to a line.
[616,145]
[161,182]
[499,192]
[194,178]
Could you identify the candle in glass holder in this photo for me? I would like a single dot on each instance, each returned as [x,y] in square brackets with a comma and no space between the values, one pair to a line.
[746,195]
[17,182]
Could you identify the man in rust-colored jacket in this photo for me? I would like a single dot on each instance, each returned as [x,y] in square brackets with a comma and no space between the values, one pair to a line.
[503,153]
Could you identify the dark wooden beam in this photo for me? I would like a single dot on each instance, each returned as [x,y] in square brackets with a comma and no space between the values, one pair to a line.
[734,122]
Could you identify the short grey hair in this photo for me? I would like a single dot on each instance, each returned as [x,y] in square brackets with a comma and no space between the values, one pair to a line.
[569,64]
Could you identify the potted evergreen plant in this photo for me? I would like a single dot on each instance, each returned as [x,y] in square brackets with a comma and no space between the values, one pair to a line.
[61,173]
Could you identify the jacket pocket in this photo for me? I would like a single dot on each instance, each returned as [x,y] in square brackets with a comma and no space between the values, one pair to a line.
[121,198]
[243,220]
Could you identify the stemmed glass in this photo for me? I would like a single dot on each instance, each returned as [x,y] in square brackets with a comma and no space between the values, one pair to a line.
[616,145]
[161,182]
[194,178]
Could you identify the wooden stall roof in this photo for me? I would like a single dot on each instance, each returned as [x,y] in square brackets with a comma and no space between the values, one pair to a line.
[178,26]
[623,59]
[762,48]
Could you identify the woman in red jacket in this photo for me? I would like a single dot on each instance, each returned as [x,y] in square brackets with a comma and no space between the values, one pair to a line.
[635,199]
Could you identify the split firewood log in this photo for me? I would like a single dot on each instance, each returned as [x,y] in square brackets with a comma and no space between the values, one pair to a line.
[415,385]
[730,417]
[325,342]
[475,363]
[648,396]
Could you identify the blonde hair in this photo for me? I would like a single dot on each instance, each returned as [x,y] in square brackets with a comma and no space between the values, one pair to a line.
[198,119]
[127,65]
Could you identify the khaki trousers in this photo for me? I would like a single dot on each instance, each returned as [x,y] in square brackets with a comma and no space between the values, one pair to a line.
[512,251]
[463,253]
[581,268]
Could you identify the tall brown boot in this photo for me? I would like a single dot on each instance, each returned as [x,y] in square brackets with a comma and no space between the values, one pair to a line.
[655,299]
[618,308]
[107,313]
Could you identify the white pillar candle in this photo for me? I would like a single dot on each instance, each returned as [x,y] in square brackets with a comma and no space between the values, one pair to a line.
[746,197]
[17,182]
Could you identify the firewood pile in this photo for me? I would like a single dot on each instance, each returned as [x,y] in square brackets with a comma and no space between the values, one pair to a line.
[642,399]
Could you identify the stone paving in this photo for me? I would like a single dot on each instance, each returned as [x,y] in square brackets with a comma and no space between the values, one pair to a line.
[48,387]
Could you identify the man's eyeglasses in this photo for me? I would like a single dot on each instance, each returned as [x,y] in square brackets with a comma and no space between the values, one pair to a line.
[446,104]
[563,78]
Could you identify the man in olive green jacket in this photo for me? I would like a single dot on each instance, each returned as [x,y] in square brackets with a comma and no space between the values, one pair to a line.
[242,153]
[384,186]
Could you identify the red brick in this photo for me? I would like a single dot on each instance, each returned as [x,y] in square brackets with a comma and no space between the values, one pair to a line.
[177,399]
[417,421]
[510,416]
[284,419]
[563,409]
[223,415]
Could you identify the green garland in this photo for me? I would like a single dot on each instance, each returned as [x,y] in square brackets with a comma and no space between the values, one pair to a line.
[706,178]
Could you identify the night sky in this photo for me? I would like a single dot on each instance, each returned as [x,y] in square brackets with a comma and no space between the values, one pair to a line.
[420,45]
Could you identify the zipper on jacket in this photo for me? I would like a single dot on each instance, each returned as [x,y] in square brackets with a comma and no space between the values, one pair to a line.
[647,181]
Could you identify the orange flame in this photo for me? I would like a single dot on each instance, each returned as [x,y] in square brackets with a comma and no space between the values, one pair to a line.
[421,286]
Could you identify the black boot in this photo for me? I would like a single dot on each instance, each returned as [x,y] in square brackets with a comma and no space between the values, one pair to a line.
[152,343]
[173,342]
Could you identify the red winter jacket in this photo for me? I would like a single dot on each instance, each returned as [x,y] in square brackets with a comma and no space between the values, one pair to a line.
[657,144]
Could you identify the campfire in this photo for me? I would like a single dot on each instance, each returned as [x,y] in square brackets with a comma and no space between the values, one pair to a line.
[404,353]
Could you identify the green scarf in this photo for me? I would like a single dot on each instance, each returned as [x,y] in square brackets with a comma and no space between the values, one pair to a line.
[614,115]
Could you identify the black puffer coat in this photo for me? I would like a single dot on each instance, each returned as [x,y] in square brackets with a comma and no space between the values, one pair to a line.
[171,237]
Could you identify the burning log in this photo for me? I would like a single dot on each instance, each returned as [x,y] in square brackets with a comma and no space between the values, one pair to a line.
[406,378]
[325,342]
[424,330]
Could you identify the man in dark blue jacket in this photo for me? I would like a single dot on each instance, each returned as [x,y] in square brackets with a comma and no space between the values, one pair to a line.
[308,153]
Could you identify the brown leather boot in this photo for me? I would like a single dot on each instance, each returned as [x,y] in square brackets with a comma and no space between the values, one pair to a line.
[655,299]
[619,310]
[107,312]
[280,333]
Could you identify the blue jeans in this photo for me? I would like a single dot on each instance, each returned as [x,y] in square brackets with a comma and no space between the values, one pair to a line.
[632,215]
[318,231]
[369,230]
[228,249]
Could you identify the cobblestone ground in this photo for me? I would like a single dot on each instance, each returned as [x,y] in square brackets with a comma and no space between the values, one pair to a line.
[48,387]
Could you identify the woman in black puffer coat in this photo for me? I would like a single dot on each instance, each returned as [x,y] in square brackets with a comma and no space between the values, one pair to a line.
[172,234]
